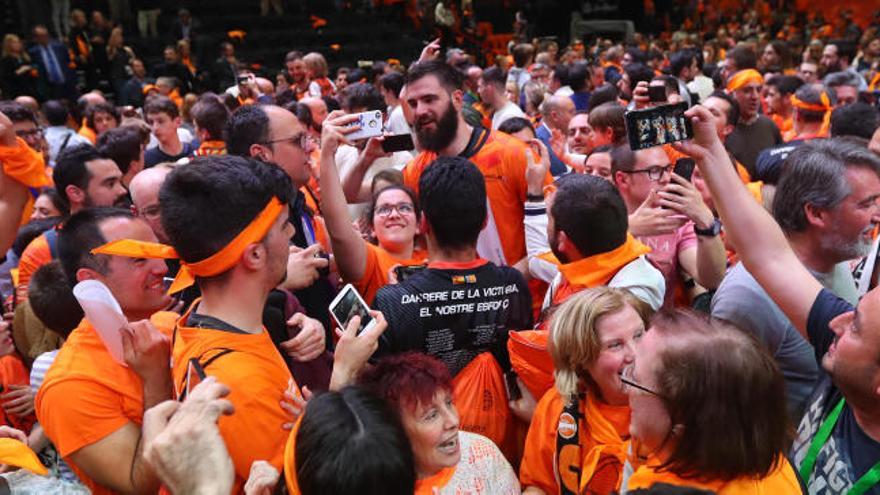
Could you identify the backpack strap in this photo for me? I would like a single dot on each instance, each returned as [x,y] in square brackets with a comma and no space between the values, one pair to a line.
[52,240]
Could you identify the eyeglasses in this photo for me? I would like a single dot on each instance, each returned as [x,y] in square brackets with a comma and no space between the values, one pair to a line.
[302,140]
[402,209]
[29,133]
[640,387]
[654,173]
[629,381]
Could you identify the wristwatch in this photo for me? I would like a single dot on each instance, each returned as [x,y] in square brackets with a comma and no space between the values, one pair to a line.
[712,231]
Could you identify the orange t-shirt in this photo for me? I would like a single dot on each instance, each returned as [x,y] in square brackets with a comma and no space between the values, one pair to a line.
[257,377]
[35,255]
[88,133]
[13,372]
[502,160]
[784,124]
[87,395]
[538,466]
[782,481]
[379,263]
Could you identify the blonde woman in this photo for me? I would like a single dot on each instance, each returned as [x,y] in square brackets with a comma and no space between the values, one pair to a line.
[17,75]
[316,68]
[578,431]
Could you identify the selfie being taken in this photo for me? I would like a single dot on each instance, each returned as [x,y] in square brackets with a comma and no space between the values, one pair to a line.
[440,247]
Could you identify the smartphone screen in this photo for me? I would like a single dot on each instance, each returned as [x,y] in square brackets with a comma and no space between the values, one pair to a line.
[658,126]
[398,142]
[349,304]
[657,94]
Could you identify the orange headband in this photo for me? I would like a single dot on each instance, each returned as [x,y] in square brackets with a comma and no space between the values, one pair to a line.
[742,78]
[215,264]
[290,460]
[812,107]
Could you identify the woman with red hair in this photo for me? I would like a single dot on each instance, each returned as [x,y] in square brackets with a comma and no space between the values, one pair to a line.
[419,388]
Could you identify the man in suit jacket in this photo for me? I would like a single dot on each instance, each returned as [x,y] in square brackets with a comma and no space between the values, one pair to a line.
[556,112]
[57,80]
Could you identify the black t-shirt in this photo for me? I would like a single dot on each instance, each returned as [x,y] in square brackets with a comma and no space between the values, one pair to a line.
[768,166]
[454,314]
[155,156]
[849,452]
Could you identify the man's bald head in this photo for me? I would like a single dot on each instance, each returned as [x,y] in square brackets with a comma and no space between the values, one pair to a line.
[144,189]
[93,98]
[558,111]
[30,102]
[318,109]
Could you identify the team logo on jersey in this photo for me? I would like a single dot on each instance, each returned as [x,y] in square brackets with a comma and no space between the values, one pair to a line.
[567,426]
[464,279]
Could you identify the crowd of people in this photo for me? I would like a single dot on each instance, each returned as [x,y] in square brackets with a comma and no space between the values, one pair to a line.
[554,309]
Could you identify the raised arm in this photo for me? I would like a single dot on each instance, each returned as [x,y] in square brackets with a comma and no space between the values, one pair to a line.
[758,240]
[348,247]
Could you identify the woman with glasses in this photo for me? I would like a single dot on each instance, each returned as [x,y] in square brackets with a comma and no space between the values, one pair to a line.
[394,217]
[576,442]
[708,410]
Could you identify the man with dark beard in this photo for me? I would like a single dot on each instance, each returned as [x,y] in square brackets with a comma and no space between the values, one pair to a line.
[434,92]
[83,177]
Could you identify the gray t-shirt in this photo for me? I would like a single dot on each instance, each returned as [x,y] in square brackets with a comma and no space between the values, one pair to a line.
[741,301]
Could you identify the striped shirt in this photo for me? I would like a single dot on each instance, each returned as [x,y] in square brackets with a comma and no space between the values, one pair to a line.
[38,373]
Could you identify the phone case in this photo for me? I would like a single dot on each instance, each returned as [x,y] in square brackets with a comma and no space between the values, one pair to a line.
[349,303]
[657,126]
[371,125]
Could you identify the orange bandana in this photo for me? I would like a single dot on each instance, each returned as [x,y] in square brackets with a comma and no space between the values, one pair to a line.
[23,164]
[825,106]
[742,78]
[290,460]
[215,264]
[595,270]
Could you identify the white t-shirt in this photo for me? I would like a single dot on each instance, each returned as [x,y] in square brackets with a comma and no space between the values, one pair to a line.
[482,469]
[509,110]
[396,123]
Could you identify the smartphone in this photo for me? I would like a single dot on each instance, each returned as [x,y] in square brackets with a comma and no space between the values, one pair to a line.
[348,304]
[398,142]
[194,375]
[513,391]
[404,272]
[685,167]
[657,94]
[657,126]
[370,123]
